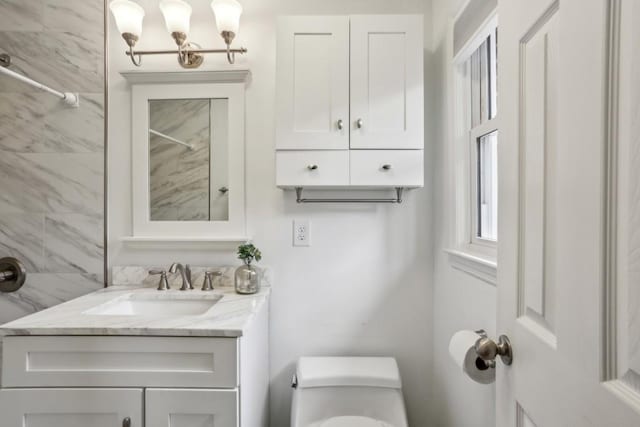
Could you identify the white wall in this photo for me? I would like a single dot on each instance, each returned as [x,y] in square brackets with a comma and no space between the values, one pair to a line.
[364,286]
[460,300]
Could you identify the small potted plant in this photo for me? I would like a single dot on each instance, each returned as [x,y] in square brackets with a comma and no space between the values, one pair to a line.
[247,277]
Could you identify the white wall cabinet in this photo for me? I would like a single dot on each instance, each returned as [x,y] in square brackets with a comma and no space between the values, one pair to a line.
[353,86]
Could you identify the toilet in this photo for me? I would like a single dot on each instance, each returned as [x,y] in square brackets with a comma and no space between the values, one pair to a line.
[347,392]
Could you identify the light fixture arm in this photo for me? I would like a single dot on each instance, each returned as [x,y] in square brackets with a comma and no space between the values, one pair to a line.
[131,40]
[136,62]
[230,52]
[231,56]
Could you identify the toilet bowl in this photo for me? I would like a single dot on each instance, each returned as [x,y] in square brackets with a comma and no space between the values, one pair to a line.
[347,392]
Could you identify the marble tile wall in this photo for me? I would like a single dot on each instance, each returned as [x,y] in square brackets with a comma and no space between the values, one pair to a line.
[52,156]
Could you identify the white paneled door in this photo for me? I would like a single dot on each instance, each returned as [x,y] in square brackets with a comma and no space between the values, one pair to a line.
[313,83]
[387,93]
[71,407]
[191,408]
[569,213]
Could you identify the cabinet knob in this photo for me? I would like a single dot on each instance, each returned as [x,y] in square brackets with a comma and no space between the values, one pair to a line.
[126,422]
[312,167]
[359,123]
[340,124]
[386,167]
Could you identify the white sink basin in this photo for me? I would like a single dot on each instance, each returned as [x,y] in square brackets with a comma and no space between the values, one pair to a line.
[152,305]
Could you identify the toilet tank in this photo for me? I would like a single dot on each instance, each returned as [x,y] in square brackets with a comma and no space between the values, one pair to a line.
[327,387]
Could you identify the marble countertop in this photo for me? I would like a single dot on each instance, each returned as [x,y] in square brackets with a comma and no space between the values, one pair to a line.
[229,317]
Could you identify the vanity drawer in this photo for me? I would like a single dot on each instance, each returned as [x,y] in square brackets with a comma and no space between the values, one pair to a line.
[107,361]
[394,168]
[312,168]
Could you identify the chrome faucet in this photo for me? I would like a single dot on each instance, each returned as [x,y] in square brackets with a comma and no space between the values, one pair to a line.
[185,273]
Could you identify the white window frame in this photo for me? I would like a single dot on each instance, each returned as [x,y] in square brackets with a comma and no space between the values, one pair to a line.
[468,252]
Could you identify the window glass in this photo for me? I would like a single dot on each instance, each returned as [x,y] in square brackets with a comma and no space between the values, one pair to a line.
[487,185]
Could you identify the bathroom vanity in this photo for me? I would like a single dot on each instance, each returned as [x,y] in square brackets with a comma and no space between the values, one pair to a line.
[136,357]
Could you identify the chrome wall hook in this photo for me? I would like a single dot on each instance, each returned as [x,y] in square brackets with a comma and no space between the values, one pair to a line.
[487,350]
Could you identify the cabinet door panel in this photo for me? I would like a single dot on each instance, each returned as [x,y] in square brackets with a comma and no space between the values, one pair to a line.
[191,408]
[387,82]
[313,83]
[70,407]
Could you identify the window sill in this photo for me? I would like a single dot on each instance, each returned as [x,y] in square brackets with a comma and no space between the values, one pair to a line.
[479,266]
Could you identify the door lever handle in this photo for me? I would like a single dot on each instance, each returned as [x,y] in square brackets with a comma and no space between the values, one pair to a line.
[487,349]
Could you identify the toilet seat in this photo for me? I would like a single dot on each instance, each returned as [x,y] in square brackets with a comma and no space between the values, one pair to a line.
[352,421]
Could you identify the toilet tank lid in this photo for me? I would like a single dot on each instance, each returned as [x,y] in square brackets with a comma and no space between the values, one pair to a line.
[348,371]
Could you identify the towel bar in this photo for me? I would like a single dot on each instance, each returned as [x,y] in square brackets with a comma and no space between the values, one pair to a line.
[397,199]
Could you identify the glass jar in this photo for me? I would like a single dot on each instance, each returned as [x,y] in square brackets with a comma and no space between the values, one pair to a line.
[247,279]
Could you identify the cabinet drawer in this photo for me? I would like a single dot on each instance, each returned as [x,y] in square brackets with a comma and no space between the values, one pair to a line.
[77,361]
[394,168]
[312,168]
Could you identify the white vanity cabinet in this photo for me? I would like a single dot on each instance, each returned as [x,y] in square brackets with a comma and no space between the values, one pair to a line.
[137,381]
[350,101]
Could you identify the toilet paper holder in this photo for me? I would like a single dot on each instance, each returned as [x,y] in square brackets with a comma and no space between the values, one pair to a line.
[487,349]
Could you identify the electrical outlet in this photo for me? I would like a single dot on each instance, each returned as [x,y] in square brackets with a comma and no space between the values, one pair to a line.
[301,233]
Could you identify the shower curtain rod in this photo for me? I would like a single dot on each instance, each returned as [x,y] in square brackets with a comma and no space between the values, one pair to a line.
[170,138]
[71,99]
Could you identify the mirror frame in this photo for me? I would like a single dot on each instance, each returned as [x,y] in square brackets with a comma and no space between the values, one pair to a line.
[141,94]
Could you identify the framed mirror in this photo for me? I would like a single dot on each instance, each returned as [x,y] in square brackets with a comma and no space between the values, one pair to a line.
[188,160]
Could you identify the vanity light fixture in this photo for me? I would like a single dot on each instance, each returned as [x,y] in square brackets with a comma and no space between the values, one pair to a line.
[177,14]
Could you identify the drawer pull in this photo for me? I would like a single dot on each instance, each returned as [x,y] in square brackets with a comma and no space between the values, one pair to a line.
[386,167]
[126,422]
[312,167]
[340,124]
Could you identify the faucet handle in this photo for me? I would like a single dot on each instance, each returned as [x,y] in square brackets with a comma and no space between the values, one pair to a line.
[207,284]
[163,284]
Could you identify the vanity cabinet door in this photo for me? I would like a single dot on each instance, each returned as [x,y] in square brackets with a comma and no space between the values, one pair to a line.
[191,408]
[70,407]
[387,95]
[313,83]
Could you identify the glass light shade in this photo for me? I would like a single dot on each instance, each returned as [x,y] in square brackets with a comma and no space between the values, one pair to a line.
[128,16]
[227,15]
[177,14]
